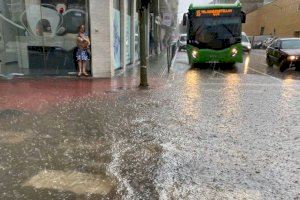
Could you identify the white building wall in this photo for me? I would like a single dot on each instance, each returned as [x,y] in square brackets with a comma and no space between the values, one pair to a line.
[101,20]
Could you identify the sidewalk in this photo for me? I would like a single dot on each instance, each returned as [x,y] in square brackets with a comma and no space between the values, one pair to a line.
[157,67]
[39,93]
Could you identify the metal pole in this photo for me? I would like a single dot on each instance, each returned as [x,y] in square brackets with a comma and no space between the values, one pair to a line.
[156,28]
[168,57]
[143,53]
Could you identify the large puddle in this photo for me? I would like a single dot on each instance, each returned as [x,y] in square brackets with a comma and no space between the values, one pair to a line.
[79,183]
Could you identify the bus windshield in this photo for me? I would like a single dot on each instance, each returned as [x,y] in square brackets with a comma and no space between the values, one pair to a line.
[215,32]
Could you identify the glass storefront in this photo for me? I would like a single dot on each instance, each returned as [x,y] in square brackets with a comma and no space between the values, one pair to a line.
[137,37]
[117,34]
[128,32]
[39,36]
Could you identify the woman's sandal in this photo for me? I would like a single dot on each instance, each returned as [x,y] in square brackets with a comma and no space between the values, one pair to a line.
[85,74]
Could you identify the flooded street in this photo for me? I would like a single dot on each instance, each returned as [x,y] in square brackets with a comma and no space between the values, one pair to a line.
[194,134]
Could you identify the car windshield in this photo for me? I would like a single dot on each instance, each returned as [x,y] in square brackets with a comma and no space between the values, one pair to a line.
[183,38]
[245,38]
[290,44]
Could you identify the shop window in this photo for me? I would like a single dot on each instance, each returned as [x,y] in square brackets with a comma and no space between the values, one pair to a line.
[35,33]
[43,26]
[117,34]
[128,38]
[129,6]
[262,30]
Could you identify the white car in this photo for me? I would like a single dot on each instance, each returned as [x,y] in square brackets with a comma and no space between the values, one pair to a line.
[182,42]
[246,42]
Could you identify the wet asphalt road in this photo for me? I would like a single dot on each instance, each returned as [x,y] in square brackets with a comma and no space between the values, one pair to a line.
[200,134]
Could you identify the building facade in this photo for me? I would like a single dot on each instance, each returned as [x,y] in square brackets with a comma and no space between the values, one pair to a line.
[38,37]
[279,18]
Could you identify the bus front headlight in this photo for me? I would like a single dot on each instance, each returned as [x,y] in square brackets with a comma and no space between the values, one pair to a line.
[234,51]
[194,53]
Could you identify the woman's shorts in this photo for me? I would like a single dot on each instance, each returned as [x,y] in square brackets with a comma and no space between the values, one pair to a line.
[82,55]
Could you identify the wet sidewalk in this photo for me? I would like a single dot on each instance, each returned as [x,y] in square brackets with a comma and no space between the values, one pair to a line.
[58,136]
[39,93]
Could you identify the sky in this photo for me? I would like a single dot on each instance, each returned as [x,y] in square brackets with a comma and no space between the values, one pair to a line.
[184,4]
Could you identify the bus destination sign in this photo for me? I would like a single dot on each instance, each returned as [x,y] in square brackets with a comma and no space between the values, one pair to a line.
[213,12]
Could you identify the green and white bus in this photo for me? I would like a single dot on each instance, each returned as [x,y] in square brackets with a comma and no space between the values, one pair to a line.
[214,33]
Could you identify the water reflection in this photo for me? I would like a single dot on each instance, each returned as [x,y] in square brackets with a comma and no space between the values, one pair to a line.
[231,105]
[246,66]
[287,91]
[289,80]
[192,93]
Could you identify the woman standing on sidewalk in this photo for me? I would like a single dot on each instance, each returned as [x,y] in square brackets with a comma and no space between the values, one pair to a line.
[83,43]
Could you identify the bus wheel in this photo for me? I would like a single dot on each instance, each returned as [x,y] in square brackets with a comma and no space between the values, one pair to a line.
[229,65]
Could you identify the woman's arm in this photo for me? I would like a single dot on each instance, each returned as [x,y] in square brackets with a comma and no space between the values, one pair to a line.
[87,39]
[79,42]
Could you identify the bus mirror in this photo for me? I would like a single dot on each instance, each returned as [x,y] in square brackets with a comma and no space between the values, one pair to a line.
[243,17]
[184,20]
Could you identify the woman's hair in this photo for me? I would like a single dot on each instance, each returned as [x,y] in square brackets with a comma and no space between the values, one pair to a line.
[82,25]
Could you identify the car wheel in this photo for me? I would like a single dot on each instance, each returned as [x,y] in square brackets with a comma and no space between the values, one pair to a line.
[269,62]
[283,66]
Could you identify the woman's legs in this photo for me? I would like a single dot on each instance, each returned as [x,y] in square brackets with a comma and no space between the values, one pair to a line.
[84,64]
[80,67]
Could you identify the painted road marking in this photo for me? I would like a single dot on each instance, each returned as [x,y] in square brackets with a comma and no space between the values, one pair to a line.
[268,75]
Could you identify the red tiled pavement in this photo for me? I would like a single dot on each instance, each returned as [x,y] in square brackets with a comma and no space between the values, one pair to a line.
[39,94]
